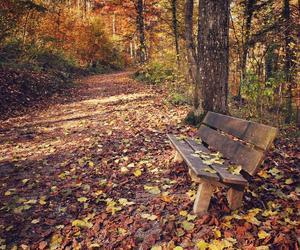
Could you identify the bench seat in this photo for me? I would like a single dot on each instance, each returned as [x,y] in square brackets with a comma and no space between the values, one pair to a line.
[224,144]
[188,148]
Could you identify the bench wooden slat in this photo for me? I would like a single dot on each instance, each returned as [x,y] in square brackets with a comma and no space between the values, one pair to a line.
[230,125]
[226,176]
[260,135]
[237,152]
[257,134]
[193,162]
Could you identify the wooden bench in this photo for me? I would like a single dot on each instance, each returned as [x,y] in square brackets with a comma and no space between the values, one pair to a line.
[242,144]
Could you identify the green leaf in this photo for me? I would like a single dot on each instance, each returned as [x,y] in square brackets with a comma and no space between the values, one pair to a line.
[188,226]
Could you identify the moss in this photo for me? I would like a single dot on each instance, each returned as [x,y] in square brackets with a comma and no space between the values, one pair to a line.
[194,120]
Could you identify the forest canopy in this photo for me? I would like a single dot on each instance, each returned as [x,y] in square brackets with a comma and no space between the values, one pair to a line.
[163,39]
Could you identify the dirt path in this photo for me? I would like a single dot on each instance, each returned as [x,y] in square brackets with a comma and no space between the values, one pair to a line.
[96,172]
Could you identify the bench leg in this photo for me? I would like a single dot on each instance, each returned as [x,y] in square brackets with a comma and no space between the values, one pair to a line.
[235,197]
[203,196]
[178,158]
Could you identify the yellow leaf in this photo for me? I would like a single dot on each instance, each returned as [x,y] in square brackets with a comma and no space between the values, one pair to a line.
[178,248]
[90,164]
[82,224]
[191,217]
[42,200]
[137,172]
[99,192]
[263,174]
[210,170]
[149,216]
[262,234]
[202,245]
[152,189]
[82,199]
[56,240]
[183,213]
[235,170]
[191,194]
[122,231]
[94,245]
[24,181]
[32,201]
[125,202]
[156,247]
[7,193]
[218,233]
[35,221]
[289,181]
[131,165]
[124,170]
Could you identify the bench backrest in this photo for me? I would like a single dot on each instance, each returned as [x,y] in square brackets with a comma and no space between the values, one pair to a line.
[243,142]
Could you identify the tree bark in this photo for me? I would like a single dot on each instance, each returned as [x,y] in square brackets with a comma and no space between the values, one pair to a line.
[288,58]
[213,54]
[175,28]
[192,57]
[141,30]
[248,14]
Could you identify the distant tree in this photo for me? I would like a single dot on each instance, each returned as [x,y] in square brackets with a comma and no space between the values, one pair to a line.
[141,30]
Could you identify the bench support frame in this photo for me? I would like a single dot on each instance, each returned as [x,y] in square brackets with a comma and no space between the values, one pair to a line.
[203,196]
[235,197]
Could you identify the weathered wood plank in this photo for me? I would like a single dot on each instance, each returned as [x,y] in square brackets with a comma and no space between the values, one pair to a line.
[228,124]
[257,134]
[235,151]
[193,162]
[260,135]
[203,196]
[225,175]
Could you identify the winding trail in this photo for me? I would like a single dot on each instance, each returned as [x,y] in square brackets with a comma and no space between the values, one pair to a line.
[61,153]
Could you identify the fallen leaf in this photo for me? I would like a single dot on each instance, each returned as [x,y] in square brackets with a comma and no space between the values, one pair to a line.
[82,199]
[262,234]
[188,226]
[137,172]
[149,216]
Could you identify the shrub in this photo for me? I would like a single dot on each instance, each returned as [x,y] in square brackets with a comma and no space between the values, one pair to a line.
[155,73]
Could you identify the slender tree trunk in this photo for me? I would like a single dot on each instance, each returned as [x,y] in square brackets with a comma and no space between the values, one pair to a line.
[175,28]
[192,57]
[288,57]
[141,30]
[213,54]
[248,14]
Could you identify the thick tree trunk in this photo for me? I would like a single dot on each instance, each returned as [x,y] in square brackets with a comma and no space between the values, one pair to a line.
[141,30]
[175,27]
[213,54]
[248,14]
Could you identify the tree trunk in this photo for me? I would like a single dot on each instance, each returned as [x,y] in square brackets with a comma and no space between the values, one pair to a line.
[192,57]
[175,28]
[248,14]
[141,30]
[213,54]
[288,58]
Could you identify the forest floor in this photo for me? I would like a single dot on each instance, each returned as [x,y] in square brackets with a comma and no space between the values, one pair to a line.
[96,171]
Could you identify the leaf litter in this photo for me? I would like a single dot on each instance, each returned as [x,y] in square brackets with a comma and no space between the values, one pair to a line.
[96,172]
